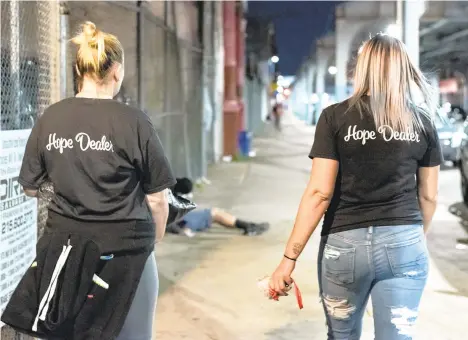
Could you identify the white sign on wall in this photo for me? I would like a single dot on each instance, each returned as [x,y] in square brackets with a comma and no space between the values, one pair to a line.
[18,216]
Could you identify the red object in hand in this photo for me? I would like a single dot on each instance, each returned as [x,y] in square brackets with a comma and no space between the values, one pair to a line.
[298,296]
[274,295]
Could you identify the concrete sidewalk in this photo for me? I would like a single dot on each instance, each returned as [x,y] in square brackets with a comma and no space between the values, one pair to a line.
[208,283]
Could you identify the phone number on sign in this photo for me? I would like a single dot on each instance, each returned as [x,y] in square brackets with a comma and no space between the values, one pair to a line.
[17,222]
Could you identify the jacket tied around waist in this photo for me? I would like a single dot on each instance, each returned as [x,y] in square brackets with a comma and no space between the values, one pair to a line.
[83,280]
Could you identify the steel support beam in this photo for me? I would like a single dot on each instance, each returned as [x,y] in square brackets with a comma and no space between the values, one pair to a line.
[434,27]
[411,12]
[440,52]
[447,39]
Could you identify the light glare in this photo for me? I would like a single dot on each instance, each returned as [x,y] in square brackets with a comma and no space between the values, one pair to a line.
[394,30]
[332,70]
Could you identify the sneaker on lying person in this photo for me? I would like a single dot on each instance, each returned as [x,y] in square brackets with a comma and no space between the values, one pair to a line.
[255,229]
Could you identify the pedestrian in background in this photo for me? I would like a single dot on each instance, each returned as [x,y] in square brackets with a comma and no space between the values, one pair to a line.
[277,114]
[95,274]
[376,160]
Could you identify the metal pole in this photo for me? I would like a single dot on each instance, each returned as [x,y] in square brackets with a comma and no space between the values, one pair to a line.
[212,89]
[404,20]
[167,123]
[139,50]
[188,156]
[411,13]
[52,10]
[309,91]
[218,91]
[399,18]
[64,16]
[206,17]
[15,65]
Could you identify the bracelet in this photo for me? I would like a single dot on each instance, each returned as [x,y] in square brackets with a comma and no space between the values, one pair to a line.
[290,258]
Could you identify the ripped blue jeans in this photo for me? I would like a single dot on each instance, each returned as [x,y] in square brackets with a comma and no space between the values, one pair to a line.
[390,264]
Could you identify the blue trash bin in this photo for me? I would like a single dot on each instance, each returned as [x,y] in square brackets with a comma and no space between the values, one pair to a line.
[245,140]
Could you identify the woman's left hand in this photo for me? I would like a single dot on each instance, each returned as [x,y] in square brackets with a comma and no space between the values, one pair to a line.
[281,281]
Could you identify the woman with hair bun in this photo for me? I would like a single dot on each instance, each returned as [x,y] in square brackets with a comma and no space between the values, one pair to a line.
[95,274]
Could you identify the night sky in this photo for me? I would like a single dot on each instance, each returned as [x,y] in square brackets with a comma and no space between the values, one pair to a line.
[298,24]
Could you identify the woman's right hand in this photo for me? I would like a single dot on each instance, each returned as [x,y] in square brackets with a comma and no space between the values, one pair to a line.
[281,281]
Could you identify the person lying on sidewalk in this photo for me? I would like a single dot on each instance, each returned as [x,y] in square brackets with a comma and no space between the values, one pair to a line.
[202,219]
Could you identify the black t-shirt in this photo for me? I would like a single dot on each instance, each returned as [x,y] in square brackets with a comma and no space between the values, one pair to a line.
[102,157]
[376,183]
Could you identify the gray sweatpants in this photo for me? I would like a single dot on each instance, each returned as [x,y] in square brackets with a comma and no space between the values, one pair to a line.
[139,322]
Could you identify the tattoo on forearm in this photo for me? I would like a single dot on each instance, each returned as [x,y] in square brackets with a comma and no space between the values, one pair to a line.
[297,248]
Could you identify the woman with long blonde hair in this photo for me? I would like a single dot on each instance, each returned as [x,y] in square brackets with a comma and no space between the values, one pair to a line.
[376,160]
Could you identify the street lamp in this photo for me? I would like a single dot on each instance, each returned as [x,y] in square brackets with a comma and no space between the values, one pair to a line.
[332,70]
[274,59]
[314,99]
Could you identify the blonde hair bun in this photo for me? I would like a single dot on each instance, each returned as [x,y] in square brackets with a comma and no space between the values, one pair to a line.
[88,34]
[97,51]
[89,29]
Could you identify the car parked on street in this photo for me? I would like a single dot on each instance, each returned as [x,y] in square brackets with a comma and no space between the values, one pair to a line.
[450,137]
[457,114]
[464,162]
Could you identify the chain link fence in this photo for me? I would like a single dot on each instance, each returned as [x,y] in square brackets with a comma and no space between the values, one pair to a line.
[29,75]
[172,93]
[28,35]
[171,70]
[171,81]
[29,69]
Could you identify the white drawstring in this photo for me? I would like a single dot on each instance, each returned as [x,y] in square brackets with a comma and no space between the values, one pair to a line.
[49,294]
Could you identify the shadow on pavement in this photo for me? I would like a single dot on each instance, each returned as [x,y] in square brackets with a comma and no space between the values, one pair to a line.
[296,330]
[187,254]
[458,293]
